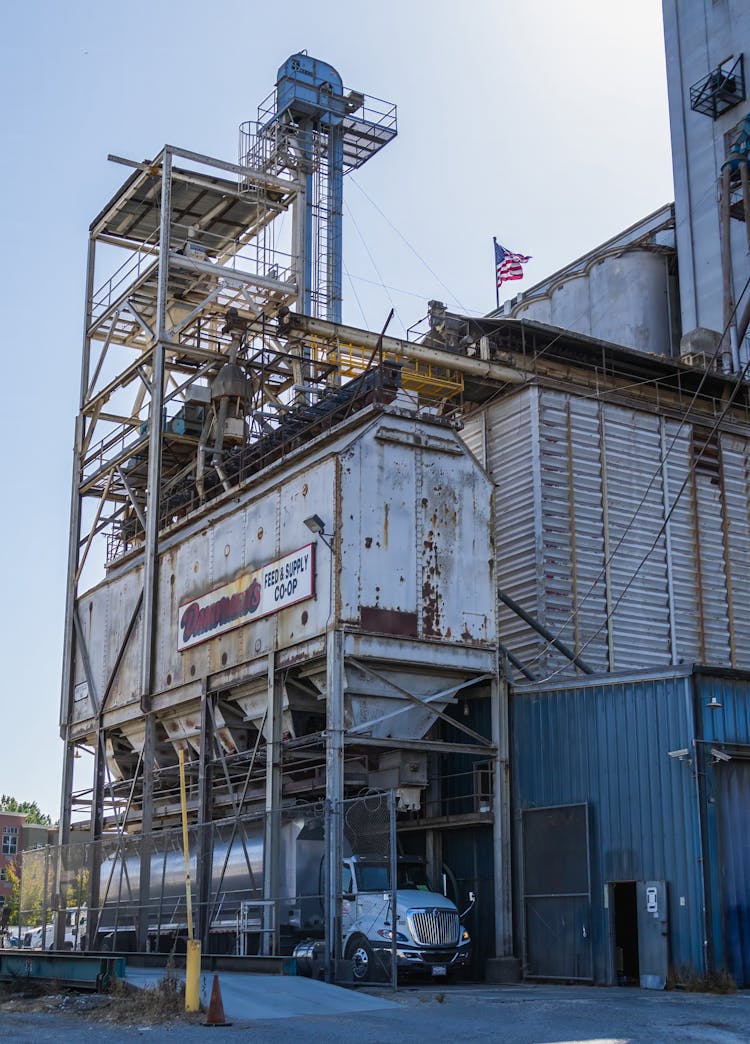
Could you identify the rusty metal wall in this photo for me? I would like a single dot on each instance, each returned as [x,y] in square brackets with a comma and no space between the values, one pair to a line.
[416,553]
[408,514]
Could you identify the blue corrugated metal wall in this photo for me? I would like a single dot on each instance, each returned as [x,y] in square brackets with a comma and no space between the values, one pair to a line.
[723,724]
[607,745]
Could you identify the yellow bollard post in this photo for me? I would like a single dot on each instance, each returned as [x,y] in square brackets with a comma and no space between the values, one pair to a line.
[193,976]
[193,964]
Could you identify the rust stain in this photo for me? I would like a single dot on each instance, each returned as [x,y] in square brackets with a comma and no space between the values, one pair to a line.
[227,742]
[431,597]
[385,525]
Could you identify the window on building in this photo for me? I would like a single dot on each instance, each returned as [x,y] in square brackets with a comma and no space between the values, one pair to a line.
[10,840]
[3,874]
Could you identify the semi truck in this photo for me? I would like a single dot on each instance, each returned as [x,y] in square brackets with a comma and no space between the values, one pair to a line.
[430,934]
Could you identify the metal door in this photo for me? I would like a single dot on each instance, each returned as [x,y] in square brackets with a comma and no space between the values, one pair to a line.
[557,893]
[653,934]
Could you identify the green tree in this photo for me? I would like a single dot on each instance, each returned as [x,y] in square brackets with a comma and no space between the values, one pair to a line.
[30,809]
[13,876]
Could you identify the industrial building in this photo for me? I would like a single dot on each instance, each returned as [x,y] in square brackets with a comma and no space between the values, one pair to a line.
[630,505]
[296,591]
[497,571]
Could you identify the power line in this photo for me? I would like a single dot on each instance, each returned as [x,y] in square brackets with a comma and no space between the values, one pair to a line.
[413,249]
[692,464]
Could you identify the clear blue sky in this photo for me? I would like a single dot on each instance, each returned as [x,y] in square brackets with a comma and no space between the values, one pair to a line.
[543,123]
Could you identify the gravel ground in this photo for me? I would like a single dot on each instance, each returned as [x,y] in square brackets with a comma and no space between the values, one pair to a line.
[518,1014]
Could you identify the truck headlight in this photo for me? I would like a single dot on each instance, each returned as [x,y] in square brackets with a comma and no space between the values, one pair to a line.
[465,935]
[385,933]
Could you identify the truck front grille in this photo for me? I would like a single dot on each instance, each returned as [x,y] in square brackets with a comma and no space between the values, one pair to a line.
[434,927]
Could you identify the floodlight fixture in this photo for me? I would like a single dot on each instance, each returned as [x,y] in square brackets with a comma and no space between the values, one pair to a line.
[317,526]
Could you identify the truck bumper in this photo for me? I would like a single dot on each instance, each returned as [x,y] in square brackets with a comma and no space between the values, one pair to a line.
[424,959]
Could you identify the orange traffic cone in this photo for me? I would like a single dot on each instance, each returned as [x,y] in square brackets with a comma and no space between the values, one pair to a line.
[215,1015]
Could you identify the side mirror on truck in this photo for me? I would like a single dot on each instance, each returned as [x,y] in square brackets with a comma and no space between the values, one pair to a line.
[472,900]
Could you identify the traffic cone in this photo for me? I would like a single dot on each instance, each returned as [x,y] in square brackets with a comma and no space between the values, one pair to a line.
[215,1015]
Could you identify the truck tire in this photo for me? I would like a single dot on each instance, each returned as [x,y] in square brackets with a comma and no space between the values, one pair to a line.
[361,954]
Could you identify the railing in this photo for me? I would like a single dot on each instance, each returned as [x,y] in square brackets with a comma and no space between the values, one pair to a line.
[128,273]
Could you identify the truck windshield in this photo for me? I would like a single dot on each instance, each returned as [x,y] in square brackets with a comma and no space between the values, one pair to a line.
[376,877]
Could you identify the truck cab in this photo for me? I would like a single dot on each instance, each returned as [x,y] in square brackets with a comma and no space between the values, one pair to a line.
[430,937]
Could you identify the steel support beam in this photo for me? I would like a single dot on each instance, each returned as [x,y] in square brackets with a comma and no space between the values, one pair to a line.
[232,275]
[151,548]
[204,848]
[71,586]
[272,846]
[501,820]
[334,797]
[96,828]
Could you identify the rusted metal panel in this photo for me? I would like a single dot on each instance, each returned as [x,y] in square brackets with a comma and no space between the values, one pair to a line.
[408,540]
[416,533]
[389,621]
[378,512]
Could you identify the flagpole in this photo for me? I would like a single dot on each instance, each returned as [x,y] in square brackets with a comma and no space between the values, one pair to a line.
[494,256]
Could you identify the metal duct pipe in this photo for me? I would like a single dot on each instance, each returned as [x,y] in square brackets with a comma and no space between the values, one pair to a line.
[303,324]
[547,635]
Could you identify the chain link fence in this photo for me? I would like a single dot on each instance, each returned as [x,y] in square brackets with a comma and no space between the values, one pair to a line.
[367,927]
[260,884]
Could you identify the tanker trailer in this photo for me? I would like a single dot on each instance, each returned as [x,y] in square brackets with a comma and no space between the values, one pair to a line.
[430,934]
[234,907]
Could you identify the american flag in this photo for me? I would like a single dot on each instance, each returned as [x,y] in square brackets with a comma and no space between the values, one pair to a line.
[508,266]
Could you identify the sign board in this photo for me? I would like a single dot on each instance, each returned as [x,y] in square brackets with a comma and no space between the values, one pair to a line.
[251,596]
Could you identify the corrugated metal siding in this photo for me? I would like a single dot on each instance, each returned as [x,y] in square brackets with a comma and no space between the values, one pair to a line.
[729,723]
[680,533]
[560,521]
[510,461]
[736,489]
[473,434]
[710,542]
[734,833]
[588,518]
[589,532]
[725,804]
[637,548]
[607,745]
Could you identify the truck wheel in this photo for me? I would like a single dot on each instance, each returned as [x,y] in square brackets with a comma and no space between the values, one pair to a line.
[361,954]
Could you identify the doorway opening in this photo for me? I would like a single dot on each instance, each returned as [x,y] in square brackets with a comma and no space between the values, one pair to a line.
[626,933]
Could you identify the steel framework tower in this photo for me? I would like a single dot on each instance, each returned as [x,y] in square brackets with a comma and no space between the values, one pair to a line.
[183,374]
